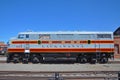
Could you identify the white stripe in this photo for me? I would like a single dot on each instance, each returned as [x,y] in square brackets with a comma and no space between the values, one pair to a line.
[66,32]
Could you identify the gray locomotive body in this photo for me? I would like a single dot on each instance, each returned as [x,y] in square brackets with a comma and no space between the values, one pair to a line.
[83,46]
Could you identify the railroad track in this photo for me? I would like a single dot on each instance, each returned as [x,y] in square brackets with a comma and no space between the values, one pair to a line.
[3,60]
[74,75]
[110,62]
[113,62]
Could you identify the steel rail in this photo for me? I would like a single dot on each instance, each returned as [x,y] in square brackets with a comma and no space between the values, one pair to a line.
[64,75]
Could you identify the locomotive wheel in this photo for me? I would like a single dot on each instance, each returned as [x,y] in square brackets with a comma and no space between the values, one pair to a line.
[25,61]
[41,59]
[8,59]
[93,61]
[104,60]
[15,60]
[35,60]
[81,60]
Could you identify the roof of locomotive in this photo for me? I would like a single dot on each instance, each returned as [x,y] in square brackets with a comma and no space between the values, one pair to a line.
[66,32]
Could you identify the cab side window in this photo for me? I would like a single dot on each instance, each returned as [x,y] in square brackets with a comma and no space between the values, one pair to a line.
[27,35]
[21,36]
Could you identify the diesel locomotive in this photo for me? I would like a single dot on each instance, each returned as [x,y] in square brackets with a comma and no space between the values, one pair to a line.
[85,47]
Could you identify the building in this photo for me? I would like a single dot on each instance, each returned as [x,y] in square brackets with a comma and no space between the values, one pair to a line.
[117,42]
[3,48]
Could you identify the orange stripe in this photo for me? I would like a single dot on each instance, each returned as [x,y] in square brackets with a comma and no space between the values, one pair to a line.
[16,50]
[55,42]
[70,50]
[45,42]
[65,42]
[83,42]
[63,50]
[24,42]
[33,42]
[102,41]
[75,41]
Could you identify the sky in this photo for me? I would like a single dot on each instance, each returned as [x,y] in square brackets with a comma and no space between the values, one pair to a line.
[57,15]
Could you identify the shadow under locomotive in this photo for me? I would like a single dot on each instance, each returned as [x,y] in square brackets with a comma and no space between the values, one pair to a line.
[58,58]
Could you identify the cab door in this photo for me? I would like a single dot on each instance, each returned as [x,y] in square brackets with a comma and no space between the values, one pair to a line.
[27,45]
